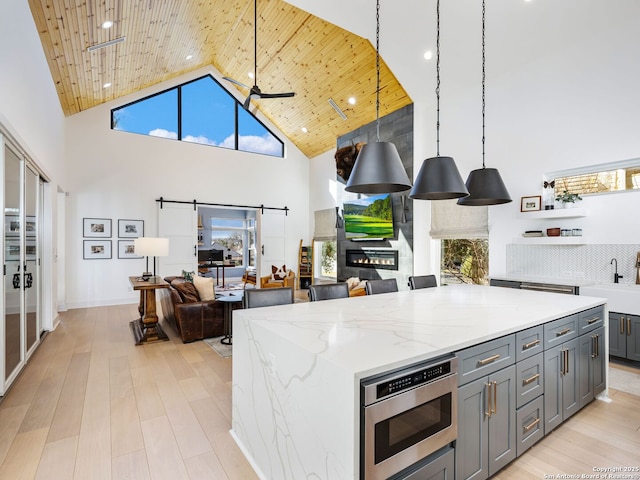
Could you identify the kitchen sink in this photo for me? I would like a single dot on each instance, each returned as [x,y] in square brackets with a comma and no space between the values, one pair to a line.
[621,297]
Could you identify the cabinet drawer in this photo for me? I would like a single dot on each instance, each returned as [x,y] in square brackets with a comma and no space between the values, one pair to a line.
[529,425]
[486,358]
[591,319]
[529,379]
[560,331]
[529,342]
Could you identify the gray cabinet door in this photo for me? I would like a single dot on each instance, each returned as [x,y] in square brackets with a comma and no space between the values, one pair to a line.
[586,350]
[553,364]
[502,422]
[570,391]
[561,392]
[599,365]
[486,425]
[633,337]
[473,431]
[617,336]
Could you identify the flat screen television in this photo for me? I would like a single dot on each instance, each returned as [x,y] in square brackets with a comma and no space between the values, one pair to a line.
[210,256]
[369,218]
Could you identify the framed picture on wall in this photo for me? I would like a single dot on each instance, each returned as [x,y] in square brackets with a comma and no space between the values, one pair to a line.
[130,228]
[96,249]
[530,204]
[96,227]
[126,249]
[11,225]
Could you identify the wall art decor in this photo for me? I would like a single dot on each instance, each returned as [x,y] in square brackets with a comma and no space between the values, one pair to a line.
[530,204]
[96,249]
[126,249]
[96,227]
[130,228]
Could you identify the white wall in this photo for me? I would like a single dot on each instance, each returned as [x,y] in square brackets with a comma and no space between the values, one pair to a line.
[31,113]
[115,174]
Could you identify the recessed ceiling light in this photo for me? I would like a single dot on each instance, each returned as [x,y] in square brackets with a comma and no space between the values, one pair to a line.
[107,24]
[304,129]
[189,57]
[106,85]
[352,100]
[428,55]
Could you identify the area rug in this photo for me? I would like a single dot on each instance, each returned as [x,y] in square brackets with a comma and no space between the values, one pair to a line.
[220,348]
[624,380]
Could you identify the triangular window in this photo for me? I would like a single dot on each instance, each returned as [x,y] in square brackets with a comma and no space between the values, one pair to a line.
[200,111]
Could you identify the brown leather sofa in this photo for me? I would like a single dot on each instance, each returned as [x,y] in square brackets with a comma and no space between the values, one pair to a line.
[191,318]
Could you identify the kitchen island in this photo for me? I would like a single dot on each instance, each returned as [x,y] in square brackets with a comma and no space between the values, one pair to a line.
[297,368]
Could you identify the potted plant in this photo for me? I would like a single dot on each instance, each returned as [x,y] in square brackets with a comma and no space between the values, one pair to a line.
[568,199]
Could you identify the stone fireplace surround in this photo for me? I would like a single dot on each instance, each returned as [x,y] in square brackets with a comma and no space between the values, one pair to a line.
[397,128]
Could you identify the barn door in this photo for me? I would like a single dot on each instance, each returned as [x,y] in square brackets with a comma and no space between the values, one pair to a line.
[272,236]
[178,222]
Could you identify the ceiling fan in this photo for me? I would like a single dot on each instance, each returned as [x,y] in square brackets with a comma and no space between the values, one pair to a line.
[255,92]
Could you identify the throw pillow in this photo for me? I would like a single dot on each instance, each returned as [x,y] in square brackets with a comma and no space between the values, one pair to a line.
[188,276]
[205,288]
[187,291]
[278,273]
[353,282]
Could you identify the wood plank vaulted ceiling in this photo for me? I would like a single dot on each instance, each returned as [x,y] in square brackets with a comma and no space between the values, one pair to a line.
[296,52]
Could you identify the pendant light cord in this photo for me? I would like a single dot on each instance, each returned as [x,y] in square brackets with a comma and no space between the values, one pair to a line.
[378,70]
[438,78]
[483,78]
[255,40]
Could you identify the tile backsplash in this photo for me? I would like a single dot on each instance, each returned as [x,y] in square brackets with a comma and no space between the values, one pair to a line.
[581,262]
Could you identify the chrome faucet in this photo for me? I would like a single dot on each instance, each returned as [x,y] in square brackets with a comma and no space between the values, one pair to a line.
[616,277]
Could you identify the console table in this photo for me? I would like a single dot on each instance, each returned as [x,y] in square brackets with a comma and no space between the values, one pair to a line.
[146,329]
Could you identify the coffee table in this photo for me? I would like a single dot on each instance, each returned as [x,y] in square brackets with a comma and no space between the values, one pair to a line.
[228,302]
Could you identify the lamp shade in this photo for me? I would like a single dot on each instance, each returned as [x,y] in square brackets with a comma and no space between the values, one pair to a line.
[378,169]
[485,188]
[151,246]
[438,179]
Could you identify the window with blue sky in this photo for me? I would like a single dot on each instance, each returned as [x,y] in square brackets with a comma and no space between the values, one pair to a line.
[200,111]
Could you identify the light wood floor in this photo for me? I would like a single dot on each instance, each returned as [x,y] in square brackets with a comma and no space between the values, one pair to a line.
[92,405]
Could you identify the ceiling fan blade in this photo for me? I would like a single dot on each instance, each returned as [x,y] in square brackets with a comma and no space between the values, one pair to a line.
[240,84]
[247,102]
[277,95]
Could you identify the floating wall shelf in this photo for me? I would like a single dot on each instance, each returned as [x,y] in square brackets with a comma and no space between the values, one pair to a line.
[574,212]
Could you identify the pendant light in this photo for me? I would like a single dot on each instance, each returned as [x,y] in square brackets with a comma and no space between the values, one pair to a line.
[438,178]
[485,184]
[378,167]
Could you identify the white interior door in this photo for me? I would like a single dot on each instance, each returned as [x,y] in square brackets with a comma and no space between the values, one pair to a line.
[272,239]
[179,223]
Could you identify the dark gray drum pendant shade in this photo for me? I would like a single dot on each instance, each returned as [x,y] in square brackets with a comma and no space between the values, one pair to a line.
[438,179]
[378,169]
[485,187]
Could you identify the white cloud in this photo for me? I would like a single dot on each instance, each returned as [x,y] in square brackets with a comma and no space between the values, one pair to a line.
[161,132]
[266,144]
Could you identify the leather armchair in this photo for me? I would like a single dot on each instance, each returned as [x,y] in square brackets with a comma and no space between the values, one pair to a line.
[193,320]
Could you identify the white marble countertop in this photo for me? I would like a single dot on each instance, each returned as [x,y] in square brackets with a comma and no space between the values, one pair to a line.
[297,368]
[369,334]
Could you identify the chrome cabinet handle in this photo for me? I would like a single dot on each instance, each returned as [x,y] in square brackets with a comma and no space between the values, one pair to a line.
[527,346]
[563,332]
[488,360]
[594,346]
[527,381]
[532,424]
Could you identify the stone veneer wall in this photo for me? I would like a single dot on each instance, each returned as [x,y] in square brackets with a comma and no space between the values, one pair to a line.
[591,262]
[396,128]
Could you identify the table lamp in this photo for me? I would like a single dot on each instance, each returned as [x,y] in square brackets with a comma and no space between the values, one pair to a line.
[151,247]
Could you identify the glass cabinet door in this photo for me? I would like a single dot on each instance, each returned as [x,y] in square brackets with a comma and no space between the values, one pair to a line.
[12,278]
